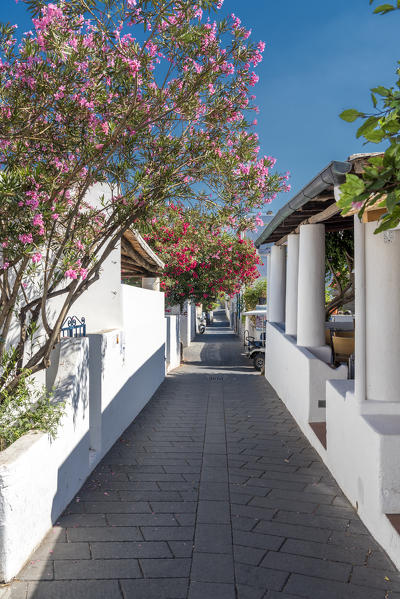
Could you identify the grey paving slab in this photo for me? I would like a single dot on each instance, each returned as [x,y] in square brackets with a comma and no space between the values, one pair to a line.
[172,588]
[82,589]
[201,590]
[211,493]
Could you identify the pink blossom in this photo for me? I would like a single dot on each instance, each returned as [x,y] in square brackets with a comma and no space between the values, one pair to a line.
[357,205]
[37,257]
[83,273]
[71,274]
[25,238]
[38,220]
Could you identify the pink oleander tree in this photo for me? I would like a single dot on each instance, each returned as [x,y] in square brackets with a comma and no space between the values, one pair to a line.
[202,258]
[152,98]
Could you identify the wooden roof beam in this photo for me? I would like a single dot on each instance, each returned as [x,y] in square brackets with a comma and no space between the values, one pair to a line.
[332,210]
[127,250]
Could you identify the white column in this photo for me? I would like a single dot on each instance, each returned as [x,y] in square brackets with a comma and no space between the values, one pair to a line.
[268,282]
[382,301]
[276,311]
[360,337]
[152,283]
[292,283]
[311,299]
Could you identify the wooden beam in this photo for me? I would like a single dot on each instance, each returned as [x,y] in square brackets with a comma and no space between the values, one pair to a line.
[127,250]
[373,214]
[312,220]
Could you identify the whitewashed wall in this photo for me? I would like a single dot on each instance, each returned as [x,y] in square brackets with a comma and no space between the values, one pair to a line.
[126,366]
[363,448]
[102,303]
[298,377]
[38,476]
[193,320]
[188,323]
[173,349]
[106,379]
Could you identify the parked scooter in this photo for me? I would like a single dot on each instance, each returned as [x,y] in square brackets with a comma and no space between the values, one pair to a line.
[202,324]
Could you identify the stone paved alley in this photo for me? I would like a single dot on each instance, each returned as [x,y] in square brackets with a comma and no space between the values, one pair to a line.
[212,493]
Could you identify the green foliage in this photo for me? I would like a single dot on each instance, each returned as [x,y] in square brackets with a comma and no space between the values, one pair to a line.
[26,408]
[382,9]
[339,261]
[253,293]
[379,184]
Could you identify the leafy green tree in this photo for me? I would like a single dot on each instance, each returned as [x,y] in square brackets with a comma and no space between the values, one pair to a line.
[339,261]
[253,293]
[379,184]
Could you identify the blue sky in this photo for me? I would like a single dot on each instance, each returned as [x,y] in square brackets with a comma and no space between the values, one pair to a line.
[322,56]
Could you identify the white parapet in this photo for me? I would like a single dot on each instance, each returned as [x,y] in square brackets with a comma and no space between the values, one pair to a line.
[298,377]
[38,476]
[292,282]
[363,445]
[311,298]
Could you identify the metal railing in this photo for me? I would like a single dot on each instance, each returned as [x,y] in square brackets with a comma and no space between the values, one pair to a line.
[73,327]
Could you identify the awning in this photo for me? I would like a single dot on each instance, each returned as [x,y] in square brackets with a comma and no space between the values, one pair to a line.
[315,203]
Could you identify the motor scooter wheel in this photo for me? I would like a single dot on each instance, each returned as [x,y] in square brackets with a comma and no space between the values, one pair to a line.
[259,361]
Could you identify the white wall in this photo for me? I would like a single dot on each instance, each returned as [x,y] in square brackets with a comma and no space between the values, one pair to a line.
[173,349]
[193,320]
[101,304]
[298,377]
[39,477]
[363,448]
[186,324]
[132,362]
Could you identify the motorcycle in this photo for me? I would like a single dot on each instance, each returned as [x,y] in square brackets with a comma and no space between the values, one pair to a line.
[202,325]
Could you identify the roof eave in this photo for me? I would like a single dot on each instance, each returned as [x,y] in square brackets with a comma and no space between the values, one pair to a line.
[333,174]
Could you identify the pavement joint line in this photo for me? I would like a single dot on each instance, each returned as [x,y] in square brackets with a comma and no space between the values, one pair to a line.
[221,439]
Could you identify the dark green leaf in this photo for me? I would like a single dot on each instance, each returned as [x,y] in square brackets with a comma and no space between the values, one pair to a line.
[374,100]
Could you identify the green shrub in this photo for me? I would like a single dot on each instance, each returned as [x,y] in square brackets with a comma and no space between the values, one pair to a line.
[27,407]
